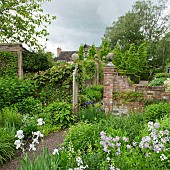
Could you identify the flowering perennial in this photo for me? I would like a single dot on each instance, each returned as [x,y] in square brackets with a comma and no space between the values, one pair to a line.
[153,143]
[36,135]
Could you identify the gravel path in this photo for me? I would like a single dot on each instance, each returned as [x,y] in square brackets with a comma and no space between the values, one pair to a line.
[51,141]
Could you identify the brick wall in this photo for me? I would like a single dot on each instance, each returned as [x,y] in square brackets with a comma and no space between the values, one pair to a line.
[115,83]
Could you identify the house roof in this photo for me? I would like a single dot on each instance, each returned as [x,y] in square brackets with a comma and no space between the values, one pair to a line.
[65,55]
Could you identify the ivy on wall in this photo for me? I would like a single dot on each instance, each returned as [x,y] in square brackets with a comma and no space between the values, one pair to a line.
[128,96]
[55,84]
[8,64]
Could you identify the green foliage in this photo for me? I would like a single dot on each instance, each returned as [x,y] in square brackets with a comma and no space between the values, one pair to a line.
[132,60]
[93,93]
[153,101]
[7,148]
[91,52]
[20,20]
[13,90]
[86,70]
[55,84]
[60,114]
[105,49]
[29,105]
[144,26]
[157,111]
[128,96]
[134,78]
[83,135]
[34,62]
[157,82]
[90,115]
[123,33]
[81,52]
[145,75]
[130,126]
[162,75]
[119,58]
[29,124]
[165,122]
[10,116]
[8,64]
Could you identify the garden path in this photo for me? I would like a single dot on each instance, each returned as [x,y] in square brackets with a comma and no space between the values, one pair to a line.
[51,141]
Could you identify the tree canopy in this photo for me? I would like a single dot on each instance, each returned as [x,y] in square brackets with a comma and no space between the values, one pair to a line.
[23,21]
[148,21]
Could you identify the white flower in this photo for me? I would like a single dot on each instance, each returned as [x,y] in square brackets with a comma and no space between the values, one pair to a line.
[163,157]
[38,134]
[32,146]
[19,134]
[79,161]
[150,126]
[40,122]
[55,152]
[108,159]
[35,140]
[18,144]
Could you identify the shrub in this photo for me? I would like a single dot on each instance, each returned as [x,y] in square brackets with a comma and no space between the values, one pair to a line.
[29,105]
[134,78]
[157,82]
[11,116]
[157,111]
[92,94]
[162,75]
[14,90]
[145,75]
[60,113]
[33,62]
[165,122]
[91,115]
[83,135]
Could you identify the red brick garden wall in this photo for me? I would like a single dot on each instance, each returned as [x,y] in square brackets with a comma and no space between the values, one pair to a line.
[115,83]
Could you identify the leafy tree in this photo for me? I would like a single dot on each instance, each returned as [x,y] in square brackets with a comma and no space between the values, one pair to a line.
[118,58]
[133,60]
[153,17]
[105,48]
[149,20]
[91,52]
[23,21]
[125,31]
[81,52]
[160,51]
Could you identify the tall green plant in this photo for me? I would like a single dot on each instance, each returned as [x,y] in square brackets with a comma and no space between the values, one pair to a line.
[7,148]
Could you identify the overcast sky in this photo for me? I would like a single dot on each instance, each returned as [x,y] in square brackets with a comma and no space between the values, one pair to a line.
[82,21]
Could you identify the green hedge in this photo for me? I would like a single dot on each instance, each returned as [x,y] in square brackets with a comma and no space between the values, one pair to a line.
[8,64]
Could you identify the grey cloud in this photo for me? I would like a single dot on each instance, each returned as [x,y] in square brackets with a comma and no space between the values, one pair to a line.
[80,21]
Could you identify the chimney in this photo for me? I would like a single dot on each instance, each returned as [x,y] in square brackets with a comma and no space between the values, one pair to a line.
[58,51]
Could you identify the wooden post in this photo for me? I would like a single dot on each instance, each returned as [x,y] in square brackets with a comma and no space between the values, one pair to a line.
[75,90]
[20,69]
[97,71]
